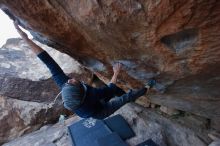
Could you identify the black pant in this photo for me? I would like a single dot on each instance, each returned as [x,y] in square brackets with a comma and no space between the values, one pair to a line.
[112,104]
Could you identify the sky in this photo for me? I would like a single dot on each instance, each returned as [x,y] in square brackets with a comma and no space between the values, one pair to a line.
[7,29]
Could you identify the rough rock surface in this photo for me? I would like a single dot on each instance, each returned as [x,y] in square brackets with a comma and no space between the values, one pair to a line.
[215,143]
[24,76]
[49,135]
[18,117]
[169,111]
[19,61]
[145,123]
[26,90]
[175,41]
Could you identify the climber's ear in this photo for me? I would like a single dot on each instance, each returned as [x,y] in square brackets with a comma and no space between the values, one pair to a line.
[72,81]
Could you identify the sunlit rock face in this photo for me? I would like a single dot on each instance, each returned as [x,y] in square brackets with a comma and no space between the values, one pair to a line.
[18,60]
[24,76]
[27,91]
[175,41]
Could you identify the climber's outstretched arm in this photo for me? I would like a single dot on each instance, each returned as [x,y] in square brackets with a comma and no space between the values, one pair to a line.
[35,48]
[57,73]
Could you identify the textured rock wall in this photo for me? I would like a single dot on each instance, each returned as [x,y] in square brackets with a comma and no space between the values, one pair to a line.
[24,76]
[175,41]
[49,135]
[145,123]
[18,117]
[26,90]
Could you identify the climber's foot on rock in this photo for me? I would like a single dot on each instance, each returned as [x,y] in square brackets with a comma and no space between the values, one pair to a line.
[150,83]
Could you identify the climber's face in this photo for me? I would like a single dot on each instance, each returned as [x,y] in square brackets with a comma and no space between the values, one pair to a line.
[73,81]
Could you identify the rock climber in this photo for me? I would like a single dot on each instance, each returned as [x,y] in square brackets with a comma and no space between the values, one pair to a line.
[80,98]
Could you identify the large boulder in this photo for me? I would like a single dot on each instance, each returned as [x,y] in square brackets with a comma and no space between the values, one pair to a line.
[24,76]
[48,135]
[26,90]
[175,41]
[18,117]
[145,123]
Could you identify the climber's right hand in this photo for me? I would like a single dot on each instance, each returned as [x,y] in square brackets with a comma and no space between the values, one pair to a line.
[117,68]
[22,34]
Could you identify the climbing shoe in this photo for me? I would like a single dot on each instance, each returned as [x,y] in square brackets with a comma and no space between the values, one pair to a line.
[150,83]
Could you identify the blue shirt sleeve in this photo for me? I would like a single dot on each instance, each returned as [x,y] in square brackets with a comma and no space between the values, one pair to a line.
[57,73]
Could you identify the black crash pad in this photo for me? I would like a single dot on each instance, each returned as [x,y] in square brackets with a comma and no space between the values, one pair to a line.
[93,132]
[87,131]
[112,139]
[119,125]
